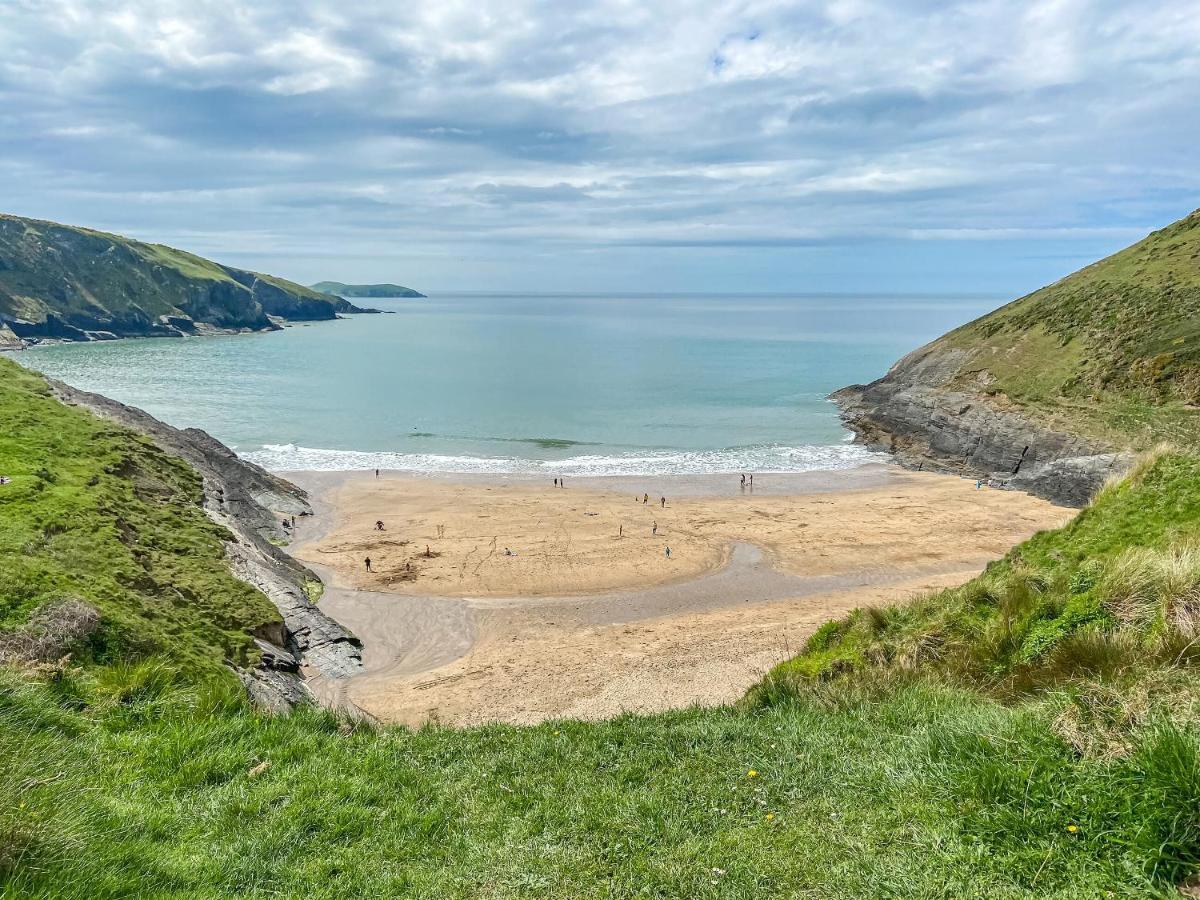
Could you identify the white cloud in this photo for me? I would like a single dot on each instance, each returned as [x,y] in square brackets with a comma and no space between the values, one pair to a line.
[470,122]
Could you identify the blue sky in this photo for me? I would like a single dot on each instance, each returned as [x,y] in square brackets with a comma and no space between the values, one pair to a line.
[907,145]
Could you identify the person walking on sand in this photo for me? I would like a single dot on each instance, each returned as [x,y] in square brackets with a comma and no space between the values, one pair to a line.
[368,562]
[743,481]
[556,482]
[751,479]
[668,552]
[664,502]
[645,499]
[654,530]
[376,473]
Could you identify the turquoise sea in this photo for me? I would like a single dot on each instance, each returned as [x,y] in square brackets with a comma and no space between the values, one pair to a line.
[572,385]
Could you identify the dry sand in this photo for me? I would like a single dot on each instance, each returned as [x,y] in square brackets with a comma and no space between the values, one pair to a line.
[586,621]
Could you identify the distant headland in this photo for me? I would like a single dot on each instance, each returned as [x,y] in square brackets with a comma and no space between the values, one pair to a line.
[364,290]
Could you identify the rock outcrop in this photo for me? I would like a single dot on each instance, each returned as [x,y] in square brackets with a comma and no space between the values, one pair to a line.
[1055,391]
[911,413]
[251,503]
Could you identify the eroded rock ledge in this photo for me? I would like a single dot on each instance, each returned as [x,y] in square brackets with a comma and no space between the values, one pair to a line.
[250,502]
[924,424]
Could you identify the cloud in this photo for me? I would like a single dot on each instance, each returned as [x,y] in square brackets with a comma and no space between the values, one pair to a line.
[436,133]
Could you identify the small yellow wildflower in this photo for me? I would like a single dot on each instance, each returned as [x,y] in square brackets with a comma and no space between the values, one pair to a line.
[752,774]
[770,816]
[1072,828]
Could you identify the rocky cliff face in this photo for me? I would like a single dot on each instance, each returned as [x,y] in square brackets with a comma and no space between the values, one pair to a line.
[67,283]
[913,414]
[1054,391]
[250,503]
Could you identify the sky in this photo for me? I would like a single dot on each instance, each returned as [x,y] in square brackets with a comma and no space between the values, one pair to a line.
[907,146]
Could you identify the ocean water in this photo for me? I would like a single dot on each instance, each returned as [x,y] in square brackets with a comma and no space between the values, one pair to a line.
[553,384]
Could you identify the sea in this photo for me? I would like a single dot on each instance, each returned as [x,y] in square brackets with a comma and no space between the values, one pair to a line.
[550,384]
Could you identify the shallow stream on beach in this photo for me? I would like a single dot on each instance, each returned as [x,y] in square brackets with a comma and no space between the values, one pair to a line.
[573,385]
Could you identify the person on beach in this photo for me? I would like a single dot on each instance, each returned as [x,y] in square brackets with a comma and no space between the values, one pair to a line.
[376,473]
[668,552]
[368,562]
[293,521]
[379,524]
[654,530]
[664,502]
[751,479]
[620,531]
[743,481]
[645,499]
[556,482]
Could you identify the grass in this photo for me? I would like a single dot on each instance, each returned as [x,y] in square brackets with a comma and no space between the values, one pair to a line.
[1113,596]
[920,790]
[96,513]
[1032,733]
[1112,351]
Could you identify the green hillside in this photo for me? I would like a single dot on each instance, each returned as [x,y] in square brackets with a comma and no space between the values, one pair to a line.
[1111,352]
[94,513]
[66,282]
[365,290]
[1031,734]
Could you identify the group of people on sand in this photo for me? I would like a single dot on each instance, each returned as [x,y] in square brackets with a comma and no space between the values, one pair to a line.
[747,480]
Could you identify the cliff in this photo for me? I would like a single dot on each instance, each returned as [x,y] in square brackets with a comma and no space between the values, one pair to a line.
[249,503]
[68,283]
[1055,391]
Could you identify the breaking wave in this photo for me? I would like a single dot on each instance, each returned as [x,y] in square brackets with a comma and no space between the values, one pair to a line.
[761,458]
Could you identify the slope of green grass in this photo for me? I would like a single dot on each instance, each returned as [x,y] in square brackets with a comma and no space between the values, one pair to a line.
[1113,596]
[949,748]
[1112,351]
[96,513]
[918,791]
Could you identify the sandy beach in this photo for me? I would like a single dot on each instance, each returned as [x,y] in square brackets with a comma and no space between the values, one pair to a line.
[508,599]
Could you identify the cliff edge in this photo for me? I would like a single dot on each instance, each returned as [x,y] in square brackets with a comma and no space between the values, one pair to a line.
[1056,391]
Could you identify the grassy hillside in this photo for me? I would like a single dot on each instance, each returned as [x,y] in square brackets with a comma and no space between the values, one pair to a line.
[97,514]
[1112,351]
[57,281]
[1031,734]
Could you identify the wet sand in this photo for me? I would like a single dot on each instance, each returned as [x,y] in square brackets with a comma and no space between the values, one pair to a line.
[589,618]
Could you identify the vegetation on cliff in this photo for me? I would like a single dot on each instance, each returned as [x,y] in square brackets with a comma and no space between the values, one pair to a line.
[1111,352]
[365,290]
[97,514]
[1032,733]
[75,283]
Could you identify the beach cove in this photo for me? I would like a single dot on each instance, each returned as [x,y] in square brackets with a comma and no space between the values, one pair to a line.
[585,616]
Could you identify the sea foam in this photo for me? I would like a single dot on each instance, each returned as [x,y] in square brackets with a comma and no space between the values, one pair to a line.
[762,458]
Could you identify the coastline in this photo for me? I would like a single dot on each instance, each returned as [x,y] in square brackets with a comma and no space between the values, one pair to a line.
[578,634]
